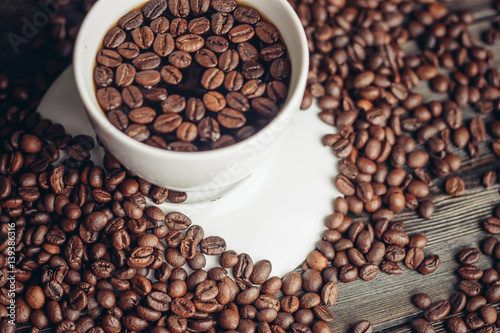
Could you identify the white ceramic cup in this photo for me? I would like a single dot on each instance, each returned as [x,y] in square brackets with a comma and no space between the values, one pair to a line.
[202,171]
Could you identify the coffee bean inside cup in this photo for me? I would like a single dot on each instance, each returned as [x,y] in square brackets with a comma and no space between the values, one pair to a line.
[188,77]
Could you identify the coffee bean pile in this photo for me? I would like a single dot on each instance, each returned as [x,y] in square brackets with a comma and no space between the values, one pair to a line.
[86,243]
[192,75]
[477,290]
[393,144]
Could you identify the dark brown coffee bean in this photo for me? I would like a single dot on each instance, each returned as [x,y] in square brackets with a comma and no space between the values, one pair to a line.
[221,25]
[141,257]
[252,70]
[348,273]
[396,237]
[109,98]
[143,37]
[114,38]
[230,118]
[456,325]
[103,76]
[143,115]
[266,32]
[492,294]
[421,325]
[429,265]
[329,293]
[226,6]
[167,123]
[190,43]
[179,8]
[414,258]
[488,314]
[214,101]
[177,221]
[455,186]
[470,288]
[206,58]
[131,20]
[426,209]
[280,69]
[292,283]
[146,61]
[180,59]
[437,311]
[246,15]
[148,78]
[469,256]
[474,321]
[128,50]
[261,271]
[213,245]
[154,9]
[457,302]
[171,75]
[208,129]
[109,58]
[389,267]
[363,326]
[368,272]
[212,78]
[422,301]
[132,96]
[199,26]
[164,44]
[474,303]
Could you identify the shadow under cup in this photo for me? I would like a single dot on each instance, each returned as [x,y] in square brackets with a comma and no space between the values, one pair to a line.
[214,170]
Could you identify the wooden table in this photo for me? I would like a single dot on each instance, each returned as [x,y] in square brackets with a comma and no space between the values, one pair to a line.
[456,224]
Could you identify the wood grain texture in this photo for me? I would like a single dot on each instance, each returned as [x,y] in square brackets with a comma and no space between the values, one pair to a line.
[456,224]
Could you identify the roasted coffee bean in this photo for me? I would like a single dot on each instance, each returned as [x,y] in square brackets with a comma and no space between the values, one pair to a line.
[429,265]
[422,301]
[131,20]
[492,225]
[348,273]
[389,267]
[437,311]
[230,118]
[470,273]
[164,44]
[329,293]
[109,58]
[470,288]
[421,325]
[455,186]
[292,283]
[474,303]
[456,325]
[474,321]
[426,209]
[363,326]
[213,245]
[414,258]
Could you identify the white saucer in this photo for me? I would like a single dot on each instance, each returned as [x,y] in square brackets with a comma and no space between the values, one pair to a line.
[277,213]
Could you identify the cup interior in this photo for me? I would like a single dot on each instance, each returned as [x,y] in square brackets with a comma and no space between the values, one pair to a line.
[105,14]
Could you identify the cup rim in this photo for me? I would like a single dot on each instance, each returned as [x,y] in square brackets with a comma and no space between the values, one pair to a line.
[287,110]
